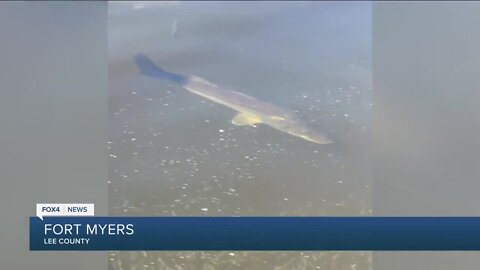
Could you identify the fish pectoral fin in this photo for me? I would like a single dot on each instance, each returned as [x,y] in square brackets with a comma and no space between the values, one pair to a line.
[243,119]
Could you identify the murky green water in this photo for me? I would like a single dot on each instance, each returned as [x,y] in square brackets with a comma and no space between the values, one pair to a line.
[174,153]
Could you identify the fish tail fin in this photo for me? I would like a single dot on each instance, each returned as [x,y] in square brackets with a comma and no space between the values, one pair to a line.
[149,68]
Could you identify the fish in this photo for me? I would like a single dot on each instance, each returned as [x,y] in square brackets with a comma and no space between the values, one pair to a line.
[250,110]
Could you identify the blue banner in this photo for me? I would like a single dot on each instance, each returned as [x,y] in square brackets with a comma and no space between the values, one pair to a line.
[255,233]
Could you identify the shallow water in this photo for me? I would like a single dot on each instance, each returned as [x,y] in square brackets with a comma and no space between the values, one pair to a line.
[174,153]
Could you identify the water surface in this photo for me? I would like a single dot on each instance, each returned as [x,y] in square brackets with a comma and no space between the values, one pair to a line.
[174,153]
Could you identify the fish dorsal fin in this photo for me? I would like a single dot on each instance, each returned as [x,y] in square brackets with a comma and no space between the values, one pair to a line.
[202,80]
[243,119]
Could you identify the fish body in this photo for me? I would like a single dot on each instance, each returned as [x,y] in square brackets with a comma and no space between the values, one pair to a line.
[251,111]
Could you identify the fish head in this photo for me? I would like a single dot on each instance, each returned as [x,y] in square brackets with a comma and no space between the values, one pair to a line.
[296,127]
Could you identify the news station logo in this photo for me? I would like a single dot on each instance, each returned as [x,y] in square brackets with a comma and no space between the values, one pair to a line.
[65,209]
